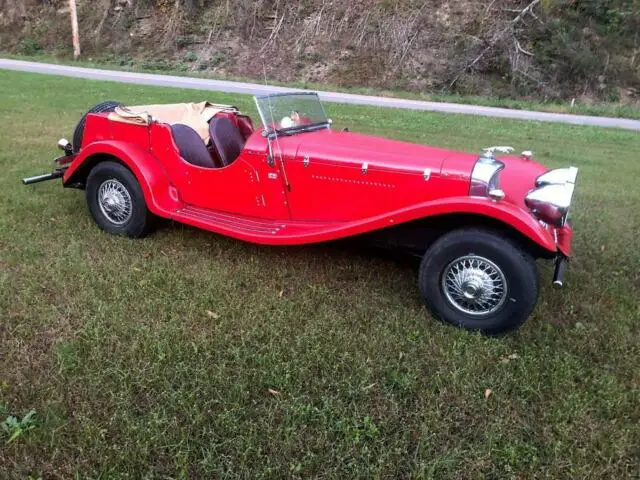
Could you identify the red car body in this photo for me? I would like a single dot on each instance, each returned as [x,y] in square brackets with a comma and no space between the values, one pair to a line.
[479,222]
[328,196]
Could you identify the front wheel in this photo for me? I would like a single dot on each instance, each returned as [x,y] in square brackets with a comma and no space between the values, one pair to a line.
[479,280]
[116,201]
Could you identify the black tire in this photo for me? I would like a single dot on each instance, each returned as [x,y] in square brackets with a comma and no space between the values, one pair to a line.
[514,264]
[137,220]
[108,106]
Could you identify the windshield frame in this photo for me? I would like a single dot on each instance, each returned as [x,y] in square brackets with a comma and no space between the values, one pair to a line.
[294,129]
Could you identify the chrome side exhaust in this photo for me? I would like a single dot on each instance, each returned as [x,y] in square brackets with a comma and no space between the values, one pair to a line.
[43,178]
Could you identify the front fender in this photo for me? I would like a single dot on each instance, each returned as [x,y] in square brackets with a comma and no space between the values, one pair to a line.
[147,168]
[505,212]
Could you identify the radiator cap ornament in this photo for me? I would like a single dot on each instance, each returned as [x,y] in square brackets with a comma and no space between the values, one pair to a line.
[489,152]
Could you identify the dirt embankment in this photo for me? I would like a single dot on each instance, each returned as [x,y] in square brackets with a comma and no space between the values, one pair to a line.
[541,49]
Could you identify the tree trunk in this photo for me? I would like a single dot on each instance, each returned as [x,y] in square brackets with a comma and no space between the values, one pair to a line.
[74,28]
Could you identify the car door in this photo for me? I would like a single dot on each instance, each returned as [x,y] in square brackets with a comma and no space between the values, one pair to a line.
[233,189]
[249,186]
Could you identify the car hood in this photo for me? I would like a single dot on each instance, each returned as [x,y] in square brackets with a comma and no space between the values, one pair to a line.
[348,147]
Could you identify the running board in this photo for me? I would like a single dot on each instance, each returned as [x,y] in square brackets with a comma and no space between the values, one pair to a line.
[262,231]
[249,226]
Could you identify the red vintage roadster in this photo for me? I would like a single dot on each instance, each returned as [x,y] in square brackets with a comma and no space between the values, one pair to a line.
[478,221]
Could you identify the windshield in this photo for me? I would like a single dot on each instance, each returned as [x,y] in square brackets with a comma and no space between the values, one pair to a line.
[291,112]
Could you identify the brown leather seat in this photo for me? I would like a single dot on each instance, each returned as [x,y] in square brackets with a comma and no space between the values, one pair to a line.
[192,148]
[227,139]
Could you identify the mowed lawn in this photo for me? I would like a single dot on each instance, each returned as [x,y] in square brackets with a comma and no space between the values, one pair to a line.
[190,355]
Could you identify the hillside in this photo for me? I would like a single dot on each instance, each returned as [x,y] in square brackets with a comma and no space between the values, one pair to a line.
[542,49]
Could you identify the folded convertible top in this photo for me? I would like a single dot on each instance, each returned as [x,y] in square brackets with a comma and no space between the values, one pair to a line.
[195,115]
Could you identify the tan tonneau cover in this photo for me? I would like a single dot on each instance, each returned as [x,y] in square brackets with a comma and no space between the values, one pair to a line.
[195,115]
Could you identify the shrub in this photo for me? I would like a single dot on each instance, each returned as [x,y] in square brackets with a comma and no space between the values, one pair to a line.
[580,45]
[190,57]
[28,46]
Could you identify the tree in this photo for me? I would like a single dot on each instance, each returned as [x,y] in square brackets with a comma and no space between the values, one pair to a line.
[74,28]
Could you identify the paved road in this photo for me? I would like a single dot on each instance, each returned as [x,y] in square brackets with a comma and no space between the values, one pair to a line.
[257,89]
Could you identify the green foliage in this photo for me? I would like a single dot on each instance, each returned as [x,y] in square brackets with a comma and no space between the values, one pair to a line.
[584,45]
[213,61]
[154,64]
[356,430]
[183,41]
[28,46]
[120,60]
[14,427]
[190,57]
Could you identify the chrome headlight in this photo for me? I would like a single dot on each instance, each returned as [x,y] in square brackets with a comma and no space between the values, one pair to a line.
[550,202]
[485,176]
[559,176]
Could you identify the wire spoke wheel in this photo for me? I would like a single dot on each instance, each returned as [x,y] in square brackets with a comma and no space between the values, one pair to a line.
[474,285]
[115,201]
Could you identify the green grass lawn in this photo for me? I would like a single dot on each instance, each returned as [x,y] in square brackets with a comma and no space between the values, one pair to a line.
[190,355]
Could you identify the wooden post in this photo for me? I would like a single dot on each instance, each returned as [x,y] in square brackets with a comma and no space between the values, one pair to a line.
[74,28]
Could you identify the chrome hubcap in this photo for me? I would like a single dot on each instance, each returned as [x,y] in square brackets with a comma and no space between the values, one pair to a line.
[474,285]
[114,201]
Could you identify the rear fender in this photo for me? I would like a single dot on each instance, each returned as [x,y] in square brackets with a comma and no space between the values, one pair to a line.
[160,195]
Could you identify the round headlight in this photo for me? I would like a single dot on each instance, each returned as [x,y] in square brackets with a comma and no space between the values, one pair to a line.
[550,203]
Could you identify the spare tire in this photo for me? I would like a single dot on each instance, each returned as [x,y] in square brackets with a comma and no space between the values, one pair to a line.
[109,106]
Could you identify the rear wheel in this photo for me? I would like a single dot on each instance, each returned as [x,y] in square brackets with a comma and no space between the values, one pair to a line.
[479,280]
[78,133]
[116,201]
